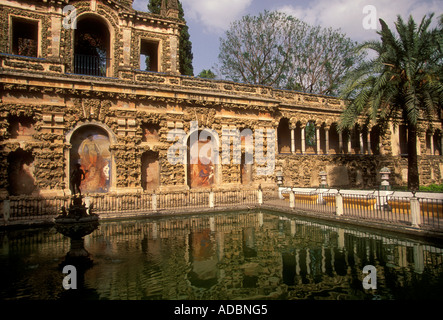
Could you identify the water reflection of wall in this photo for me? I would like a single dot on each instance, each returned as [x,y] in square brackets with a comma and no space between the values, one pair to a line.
[228,256]
[262,256]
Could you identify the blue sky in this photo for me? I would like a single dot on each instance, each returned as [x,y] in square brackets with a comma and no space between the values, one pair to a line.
[209,19]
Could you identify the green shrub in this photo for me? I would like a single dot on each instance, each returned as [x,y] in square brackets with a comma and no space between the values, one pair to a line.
[432,188]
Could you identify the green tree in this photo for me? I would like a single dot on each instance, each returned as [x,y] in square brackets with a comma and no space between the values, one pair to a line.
[185,46]
[207,74]
[278,50]
[403,82]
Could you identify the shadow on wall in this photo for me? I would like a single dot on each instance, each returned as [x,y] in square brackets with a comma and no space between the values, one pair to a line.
[21,173]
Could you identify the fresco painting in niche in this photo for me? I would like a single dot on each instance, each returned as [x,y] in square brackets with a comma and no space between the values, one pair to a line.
[150,171]
[91,151]
[201,166]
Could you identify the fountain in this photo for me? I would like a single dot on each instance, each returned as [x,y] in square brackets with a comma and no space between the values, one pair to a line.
[75,223]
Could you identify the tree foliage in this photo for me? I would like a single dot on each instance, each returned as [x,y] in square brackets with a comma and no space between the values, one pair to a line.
[207,74]
[281,51]
[185,46]
[402,83]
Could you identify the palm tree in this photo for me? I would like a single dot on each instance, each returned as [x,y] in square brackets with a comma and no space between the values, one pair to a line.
[402,83]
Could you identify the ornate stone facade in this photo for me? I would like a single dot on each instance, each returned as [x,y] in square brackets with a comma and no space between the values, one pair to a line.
[81,97]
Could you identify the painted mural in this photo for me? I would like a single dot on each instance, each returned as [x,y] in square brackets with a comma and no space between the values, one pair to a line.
[91,151]
[201,165]
[150,171]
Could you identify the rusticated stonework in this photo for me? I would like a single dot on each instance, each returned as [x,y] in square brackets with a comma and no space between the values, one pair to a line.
[53,116]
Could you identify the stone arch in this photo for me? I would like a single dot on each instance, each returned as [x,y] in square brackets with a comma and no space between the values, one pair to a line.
[91,147]
[93,45]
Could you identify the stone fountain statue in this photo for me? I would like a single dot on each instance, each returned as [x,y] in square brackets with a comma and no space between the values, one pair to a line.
[76,222]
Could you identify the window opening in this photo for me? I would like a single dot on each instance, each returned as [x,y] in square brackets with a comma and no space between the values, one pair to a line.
[24,37]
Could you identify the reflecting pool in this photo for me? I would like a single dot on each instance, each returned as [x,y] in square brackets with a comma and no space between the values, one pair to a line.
[244,255]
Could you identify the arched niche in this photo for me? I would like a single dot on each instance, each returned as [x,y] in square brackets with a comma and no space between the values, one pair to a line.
[91,149]
[150,171]
[202,159]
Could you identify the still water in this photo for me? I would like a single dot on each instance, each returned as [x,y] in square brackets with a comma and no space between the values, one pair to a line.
[244,255]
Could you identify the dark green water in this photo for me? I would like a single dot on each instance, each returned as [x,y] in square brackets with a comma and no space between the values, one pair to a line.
[248,255]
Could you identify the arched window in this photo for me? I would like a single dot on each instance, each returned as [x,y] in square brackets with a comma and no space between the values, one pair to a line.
[91,47]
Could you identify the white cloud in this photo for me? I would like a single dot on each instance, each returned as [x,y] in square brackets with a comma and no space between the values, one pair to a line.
[215,15]
[348,14]
[140,5]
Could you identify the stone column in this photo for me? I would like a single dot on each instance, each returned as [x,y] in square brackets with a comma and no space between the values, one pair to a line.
[340,142]
[431,141]
[349,144]
[327,140]
[303,140]
[126,39]
[369,142]
[362,146]
[308,261]
[292,140]
[317,136]
[297,262]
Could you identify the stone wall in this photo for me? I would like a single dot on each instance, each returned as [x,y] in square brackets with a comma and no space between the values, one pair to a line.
[57,104]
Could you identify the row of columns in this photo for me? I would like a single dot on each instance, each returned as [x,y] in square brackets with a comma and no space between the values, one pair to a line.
[432,147]
[340,142]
